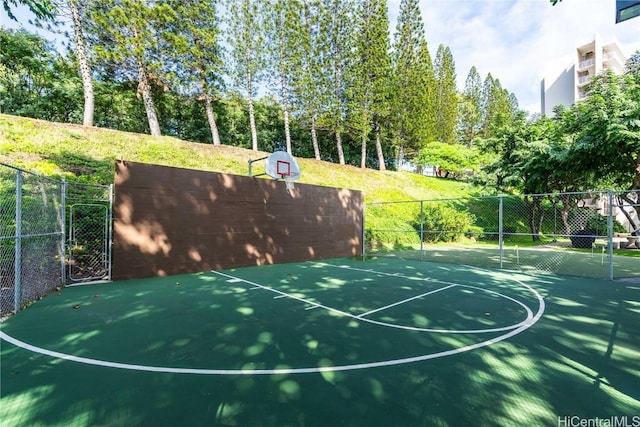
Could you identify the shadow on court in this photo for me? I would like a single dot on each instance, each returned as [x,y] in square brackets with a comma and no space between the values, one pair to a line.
[580,358]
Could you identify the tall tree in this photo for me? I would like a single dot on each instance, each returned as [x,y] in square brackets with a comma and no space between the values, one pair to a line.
[469,108]
[526,156]
[196,55]
[246,39]
[309,82]
[606,129]
[632,66]
[446,99]
[283,50]
[73,13]
[499,107]
[371,75]
[128,37]
[413,88]
[337,26]
[77,11]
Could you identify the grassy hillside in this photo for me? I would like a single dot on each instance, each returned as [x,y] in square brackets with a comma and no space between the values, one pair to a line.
[88,155]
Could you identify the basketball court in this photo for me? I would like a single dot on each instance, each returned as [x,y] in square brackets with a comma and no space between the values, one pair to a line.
[326,342]
[238,301]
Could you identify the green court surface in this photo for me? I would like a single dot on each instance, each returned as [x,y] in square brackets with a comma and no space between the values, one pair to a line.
[384,342]
[546,259]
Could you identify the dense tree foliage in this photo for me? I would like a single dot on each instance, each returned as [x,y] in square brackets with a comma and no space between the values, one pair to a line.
[128,37]
[195,59]
[330,66]
[36,81]
[309,79]
[340,84]
[469,119]
[371,77]
[247,62]
[593,144]
[446,96]
[414,83]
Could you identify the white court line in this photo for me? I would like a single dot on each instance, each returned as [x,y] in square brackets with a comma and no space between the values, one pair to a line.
[395,325]
[433,330]
[165,369]
[382,273]
[403,301]
[283,294]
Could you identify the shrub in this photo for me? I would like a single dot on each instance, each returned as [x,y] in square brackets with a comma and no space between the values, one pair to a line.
[442,223]
[599,226]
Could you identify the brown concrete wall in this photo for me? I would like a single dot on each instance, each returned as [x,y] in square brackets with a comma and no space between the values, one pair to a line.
[171,220]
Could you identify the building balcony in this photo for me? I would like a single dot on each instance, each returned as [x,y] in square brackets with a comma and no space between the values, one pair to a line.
[586,63]
[613,62]
[583,80]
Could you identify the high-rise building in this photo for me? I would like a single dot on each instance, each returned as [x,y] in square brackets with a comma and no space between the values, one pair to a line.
[565,78]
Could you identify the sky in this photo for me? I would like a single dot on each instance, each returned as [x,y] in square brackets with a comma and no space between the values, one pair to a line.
[511,39]
[514,39]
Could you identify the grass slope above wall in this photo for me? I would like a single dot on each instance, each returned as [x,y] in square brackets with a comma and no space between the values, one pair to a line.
[88,154]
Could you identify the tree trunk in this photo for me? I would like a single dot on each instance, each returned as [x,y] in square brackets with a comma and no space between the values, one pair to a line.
[381,164]
[564,213]
[314,139]
[536,215]
[626,197]
[287,133]
[363,158]
[400,157]
[85,73]
[339,147]
[149,106]
[252,123]
[285,110]
[564,216]
[252,117]
[212,120]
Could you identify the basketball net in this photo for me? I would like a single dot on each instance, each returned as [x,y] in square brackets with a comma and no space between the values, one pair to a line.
[289,182]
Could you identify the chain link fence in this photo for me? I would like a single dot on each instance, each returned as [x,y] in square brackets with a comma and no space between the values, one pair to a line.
[35,256]
[594,234]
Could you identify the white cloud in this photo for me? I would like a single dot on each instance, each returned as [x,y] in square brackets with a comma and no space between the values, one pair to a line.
[514,39]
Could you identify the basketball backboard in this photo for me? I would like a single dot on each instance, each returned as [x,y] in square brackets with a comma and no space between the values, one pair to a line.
[282,165]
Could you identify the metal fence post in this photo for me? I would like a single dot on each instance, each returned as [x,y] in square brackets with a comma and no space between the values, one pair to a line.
[18,248]
[500,225]
[364,233]
[610,232]
[421,230]
[63,231]
[110,231]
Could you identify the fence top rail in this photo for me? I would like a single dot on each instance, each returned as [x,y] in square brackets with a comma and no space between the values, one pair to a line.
[57,180]
[17,169]
[81,184]
[448,199]
[586,193]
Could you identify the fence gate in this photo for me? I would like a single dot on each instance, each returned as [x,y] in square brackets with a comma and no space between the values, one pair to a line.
[89,233]
[88,242]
